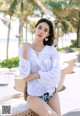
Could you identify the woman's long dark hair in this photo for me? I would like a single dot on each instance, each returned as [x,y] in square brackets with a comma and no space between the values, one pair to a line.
[51,31]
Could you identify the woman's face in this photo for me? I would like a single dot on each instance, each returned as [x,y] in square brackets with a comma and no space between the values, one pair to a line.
[42,31]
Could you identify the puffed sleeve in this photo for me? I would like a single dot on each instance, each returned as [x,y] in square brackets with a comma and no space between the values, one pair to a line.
[52,77]
[24,64]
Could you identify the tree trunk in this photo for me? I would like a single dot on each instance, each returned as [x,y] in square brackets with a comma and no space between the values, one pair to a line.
[26,33]
[20,33]
[21,26]
[57,37]
[78,35]
[8,39]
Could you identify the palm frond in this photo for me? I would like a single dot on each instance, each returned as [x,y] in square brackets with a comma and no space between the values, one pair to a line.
[12,7]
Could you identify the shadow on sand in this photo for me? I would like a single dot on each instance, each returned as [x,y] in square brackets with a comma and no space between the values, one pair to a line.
[73,113]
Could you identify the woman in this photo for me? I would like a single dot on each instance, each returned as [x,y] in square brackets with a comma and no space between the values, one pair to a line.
[40,69]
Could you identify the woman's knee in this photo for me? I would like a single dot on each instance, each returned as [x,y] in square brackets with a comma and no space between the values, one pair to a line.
[49,113]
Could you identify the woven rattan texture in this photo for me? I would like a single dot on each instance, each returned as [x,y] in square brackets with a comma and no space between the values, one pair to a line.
[25,113]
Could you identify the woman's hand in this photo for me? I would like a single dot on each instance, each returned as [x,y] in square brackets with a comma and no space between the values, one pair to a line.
[25,50]
[31,77]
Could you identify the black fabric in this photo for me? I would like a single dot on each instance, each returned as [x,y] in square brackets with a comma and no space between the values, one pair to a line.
[46,97]
[25,92]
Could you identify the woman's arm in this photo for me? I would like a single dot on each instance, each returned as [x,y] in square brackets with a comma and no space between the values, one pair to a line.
[24,64]
[31,77]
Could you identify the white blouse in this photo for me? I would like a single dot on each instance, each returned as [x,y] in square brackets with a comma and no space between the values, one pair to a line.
[46,63]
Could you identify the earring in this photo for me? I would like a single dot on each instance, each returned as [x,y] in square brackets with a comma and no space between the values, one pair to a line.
[46,39]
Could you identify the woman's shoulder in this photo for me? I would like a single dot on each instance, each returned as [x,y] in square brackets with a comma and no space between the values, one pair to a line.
[51,48]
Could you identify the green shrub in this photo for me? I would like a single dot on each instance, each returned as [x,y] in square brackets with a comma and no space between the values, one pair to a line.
[10,63]
[74,43]
[62,49]
[68,49]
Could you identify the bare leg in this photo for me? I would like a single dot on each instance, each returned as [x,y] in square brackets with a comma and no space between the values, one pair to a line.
[54,103]
[39,106]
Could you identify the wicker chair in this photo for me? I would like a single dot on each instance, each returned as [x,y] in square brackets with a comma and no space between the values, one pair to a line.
[25,113]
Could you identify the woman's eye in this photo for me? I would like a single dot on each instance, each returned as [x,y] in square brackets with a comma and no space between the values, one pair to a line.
[45,30]
[39,27]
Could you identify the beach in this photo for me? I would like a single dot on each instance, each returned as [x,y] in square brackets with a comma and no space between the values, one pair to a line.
[13,49]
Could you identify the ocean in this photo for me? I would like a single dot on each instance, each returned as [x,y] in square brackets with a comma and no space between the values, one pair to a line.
[13,45]
[13,48]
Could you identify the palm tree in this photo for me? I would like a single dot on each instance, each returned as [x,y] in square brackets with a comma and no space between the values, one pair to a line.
[60,23]
[32,26]
[65,18]
[74,18]
[8,10]
[28,8]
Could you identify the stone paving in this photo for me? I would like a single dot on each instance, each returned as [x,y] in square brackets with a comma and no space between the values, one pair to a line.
[8,90]
[70,95]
